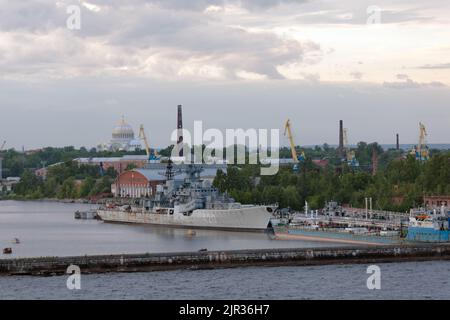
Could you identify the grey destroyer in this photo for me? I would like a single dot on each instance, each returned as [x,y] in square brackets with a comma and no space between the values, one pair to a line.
[191,203]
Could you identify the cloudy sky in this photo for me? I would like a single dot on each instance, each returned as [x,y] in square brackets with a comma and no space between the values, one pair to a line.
[381,66]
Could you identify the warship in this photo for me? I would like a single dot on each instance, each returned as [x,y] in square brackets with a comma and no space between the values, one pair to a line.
[191,203]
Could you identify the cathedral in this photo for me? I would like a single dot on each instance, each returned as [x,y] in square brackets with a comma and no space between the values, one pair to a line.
[122,139]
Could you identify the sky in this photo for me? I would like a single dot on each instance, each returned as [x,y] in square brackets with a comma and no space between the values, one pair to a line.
[381,66]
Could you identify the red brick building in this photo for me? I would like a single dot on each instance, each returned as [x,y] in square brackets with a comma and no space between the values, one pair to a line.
[136,184]
[436,201]
[322,163]
[142,182]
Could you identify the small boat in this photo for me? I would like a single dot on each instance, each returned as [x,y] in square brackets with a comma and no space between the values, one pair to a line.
[431,227]
[86,215]
[203,250]
[191,233]
[7,251]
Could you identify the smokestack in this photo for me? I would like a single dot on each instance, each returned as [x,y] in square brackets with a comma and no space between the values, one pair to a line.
[398,142]
[180,131]
[374,161]
[341,138]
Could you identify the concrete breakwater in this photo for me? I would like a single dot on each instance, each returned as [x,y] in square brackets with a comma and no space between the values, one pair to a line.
[223,259]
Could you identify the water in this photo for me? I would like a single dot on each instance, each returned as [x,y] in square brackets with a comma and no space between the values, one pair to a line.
[408,280]
[49,229]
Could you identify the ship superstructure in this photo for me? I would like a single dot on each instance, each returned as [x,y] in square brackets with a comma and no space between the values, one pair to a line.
[429,226]
[192,203]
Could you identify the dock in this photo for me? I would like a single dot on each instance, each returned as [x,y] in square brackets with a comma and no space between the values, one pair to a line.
[223,259]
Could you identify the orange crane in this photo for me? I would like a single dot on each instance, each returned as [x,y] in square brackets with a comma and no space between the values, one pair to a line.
[421,151]
[142,136]
[350,154]
[295,157]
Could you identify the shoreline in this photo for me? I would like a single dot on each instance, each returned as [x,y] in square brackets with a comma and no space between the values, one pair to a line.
[51,200]
[52,266]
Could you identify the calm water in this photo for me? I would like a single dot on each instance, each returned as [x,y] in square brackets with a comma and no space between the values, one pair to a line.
[411,280]
[49,229]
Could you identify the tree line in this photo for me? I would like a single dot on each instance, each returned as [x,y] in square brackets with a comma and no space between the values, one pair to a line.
[399,184]
[67,180]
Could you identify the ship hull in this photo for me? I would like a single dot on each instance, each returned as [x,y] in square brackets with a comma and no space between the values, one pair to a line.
[330,236]
[255,218]
[420,234]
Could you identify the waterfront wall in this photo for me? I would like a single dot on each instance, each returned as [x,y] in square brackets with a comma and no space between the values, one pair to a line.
[222,259]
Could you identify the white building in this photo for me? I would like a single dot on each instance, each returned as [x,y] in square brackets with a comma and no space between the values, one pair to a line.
[122,139]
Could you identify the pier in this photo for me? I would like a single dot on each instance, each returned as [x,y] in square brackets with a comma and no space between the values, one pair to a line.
[223,259]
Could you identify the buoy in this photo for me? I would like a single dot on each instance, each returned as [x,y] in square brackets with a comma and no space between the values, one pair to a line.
[191,233]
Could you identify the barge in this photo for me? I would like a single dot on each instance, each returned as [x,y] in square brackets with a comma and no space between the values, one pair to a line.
[333,225]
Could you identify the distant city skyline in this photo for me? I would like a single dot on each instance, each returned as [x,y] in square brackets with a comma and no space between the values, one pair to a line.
[381,67]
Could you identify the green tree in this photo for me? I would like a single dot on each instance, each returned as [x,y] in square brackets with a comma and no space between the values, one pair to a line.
[102,185]
[86,186]
[68,189]
[28,184]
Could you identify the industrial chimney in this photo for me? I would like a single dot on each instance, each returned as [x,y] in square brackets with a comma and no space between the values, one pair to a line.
[341,138]
[180,131]
[374,161]
[398,142]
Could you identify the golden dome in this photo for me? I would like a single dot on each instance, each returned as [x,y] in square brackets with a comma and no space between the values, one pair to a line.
[123,130]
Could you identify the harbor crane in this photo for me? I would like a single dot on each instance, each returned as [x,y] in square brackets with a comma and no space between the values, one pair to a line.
[142,136]
[295,157]
[421,151]
[350,156]
[1,160]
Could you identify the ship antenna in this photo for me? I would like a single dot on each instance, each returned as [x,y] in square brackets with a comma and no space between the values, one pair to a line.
[169,170]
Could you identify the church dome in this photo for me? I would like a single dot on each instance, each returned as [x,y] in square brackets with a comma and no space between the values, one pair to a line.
[123,131]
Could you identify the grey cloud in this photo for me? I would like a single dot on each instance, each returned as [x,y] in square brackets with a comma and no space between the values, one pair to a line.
[360,16]
[42,15]
[202,4]
[311,77]
[129,34]
[436,66]
[356,75]
[402,76]
[129,37]
[197,5]
[408,83]
[37,15]
[356,11]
